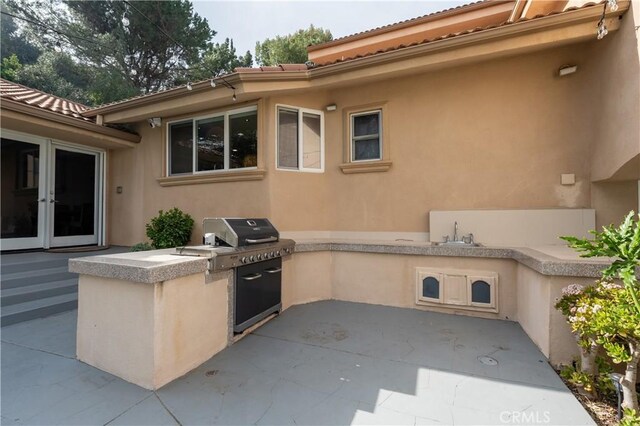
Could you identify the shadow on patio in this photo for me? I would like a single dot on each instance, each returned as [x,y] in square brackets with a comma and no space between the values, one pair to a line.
[321,363]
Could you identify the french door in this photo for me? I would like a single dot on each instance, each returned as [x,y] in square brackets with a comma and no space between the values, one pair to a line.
[51,193]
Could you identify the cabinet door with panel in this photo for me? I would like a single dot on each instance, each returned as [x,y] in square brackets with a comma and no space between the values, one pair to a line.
[429,288]
[455,290]
[482,291]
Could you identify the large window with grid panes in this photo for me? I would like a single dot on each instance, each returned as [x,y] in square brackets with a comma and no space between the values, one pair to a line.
[222,141]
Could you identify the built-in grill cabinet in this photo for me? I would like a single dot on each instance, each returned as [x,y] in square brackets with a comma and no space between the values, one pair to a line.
[254,250]
[257,292]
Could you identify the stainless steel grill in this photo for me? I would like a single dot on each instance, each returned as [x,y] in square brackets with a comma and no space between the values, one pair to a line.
[254,250]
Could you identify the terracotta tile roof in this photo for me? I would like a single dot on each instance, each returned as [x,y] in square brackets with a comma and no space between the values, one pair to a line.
[395,24]
[451,35]
[26,95]
[281,67]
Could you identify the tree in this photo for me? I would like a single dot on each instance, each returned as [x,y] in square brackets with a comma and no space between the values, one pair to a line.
[220,59]
[290,49]
[147,43]
[58,74]
[10,67]
[14,44]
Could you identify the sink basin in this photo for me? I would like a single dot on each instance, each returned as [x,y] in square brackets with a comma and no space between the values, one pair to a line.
[455,244]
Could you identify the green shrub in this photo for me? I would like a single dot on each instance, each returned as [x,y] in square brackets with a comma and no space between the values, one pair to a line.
[170,229]
[141,247]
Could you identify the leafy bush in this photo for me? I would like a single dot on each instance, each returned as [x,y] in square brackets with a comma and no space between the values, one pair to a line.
[170,229]
[609,313]
[141,247]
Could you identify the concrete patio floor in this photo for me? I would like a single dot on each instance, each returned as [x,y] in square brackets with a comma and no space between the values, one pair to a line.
[322,363]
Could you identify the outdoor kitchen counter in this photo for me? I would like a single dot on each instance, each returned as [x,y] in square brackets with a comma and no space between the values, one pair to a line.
[161,265]
[140,267]
[547,260]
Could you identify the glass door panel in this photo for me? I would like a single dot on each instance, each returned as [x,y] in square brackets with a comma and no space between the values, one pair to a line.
[22,194]
[74,197]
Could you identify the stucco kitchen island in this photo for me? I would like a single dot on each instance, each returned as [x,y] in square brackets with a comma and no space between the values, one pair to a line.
[150,317]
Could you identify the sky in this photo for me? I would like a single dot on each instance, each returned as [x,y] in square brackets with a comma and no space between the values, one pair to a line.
[247,22]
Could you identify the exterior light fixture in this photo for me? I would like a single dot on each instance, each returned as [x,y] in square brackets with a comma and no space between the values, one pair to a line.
[331,107]
[602,30]
[155,122]
[213,83]
[613,5]
[567,69]
[234,97]
[189,86]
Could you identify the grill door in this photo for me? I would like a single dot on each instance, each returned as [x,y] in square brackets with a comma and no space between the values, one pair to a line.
[257,292]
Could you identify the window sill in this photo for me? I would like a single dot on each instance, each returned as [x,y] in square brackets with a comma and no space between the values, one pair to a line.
[366,167]
[227,176]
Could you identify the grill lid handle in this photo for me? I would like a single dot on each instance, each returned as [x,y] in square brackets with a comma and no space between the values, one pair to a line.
[261,240]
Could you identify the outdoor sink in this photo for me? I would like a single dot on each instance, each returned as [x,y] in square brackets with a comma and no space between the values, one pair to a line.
[455,244]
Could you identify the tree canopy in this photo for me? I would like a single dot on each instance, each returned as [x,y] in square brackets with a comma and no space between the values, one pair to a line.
[103,51]
[219,59]
[292,48]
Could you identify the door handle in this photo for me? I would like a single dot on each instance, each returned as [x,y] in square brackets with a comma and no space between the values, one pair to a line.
[273,270]
[252,277]
[261,240]
[53,201]
[42,200]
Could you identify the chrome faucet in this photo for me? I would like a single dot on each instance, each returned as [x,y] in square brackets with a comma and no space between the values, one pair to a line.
[455,231]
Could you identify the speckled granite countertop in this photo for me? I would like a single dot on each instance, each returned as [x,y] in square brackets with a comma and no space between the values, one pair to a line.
[547,260]
[142,266]
[162,265]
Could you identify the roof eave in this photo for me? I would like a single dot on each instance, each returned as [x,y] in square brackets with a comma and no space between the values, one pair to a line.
[411,22]
[505,31]
[586,14]
[125,137]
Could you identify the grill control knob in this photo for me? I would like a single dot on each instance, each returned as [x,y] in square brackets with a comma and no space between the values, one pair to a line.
[252,258]
[272,254]
[259,257]
[244,259]
[277,252]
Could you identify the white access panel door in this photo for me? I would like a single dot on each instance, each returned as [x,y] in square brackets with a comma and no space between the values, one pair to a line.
[455,289]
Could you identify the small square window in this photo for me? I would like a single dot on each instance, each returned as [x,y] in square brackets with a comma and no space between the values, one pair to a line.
[366,136]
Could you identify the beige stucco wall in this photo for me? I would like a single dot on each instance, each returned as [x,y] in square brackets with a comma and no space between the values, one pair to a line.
[613,201]
[151,334]
[496,134]
[545,325]
[306,277]
[386,279]
[613,68]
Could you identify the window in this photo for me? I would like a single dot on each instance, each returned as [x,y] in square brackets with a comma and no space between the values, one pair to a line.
[224,141]
[300,139]
[366,136]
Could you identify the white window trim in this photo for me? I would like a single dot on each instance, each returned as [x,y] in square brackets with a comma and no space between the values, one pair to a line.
[300,167]
[194,130]
[352,129]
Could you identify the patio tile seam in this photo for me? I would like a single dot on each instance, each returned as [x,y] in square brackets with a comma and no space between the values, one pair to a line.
[129,409]
[441,369]
[38,350]
[175,419]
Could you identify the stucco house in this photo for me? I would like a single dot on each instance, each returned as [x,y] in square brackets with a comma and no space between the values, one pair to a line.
[460,109]
[507,105]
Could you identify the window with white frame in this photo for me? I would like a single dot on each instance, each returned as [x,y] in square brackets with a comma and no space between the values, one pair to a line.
[224,141]
[300,139]
[366,136]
